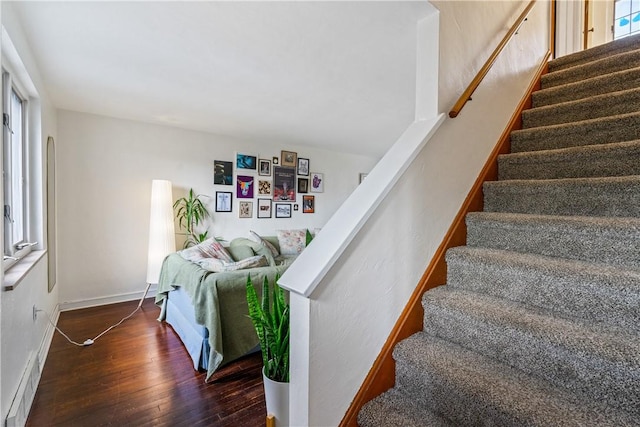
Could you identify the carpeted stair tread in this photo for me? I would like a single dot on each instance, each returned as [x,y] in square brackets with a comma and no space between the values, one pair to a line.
[394,409]
[608,104]
[539,322]
[587,360]
[601,196]
[615,159]
[613,241]
[603,130]
[612,82]
[599,293]
[471,389]
[606,65]
[617,46]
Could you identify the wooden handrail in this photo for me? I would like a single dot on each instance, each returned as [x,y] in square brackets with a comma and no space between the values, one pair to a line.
[466,95]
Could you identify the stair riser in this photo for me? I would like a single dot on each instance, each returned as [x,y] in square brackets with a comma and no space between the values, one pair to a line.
[622,80]
[592,69]
[564,197]
[572,292]
[602,106]
[538,355]
[610,160]
[592,132]
[568,242]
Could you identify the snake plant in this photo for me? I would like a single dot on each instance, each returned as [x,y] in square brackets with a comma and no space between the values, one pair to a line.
[270,317]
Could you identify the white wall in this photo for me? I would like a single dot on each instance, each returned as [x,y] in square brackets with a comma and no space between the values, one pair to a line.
[104,179]
[20,335]
[356,304]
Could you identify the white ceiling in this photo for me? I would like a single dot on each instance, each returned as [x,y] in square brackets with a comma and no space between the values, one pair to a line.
[340,75]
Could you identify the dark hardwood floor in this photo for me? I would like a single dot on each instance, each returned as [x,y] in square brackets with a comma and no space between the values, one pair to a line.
[139,374]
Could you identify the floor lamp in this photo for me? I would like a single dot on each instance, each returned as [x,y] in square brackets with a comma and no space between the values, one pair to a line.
[162,239]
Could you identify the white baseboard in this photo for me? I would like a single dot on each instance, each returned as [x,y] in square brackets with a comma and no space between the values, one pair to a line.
[113,299]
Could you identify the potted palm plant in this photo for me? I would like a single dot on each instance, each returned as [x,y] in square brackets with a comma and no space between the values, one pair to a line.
[270,317]
[190,212]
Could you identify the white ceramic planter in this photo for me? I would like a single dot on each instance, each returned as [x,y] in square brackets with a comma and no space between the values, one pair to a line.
[276,395]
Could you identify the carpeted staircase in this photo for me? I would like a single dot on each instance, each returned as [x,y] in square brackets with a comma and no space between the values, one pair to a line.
[539,322]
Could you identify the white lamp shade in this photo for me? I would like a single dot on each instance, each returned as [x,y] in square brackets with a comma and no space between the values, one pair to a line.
[162,239]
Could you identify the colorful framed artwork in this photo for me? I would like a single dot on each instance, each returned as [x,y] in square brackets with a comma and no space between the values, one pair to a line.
[303,185]
[317,182]
[222,172]
[308,204]
[223,201]
[303,166]
[244,161]
[264,208]
[244,186]
[245,209]
[284,184]
[264,167]
[283,210]
[264,188]
[288,159]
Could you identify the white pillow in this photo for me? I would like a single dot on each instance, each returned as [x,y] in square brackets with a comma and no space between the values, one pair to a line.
[218,266]
[210,248]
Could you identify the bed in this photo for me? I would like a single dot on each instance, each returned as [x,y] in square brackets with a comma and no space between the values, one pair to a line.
[209,311]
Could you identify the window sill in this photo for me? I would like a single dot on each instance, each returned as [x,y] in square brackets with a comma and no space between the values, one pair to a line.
[19,270]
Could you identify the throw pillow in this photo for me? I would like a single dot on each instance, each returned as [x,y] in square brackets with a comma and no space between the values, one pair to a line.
[258,248]
[292,242]
[218,266]
[241,252]
[210,248]
[265,242]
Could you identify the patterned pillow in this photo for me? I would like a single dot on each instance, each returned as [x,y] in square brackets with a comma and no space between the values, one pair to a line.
[210,248]
[219,266]
[265,242]
[292,242]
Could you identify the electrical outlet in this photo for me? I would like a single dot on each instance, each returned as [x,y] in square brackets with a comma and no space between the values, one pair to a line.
[35,313]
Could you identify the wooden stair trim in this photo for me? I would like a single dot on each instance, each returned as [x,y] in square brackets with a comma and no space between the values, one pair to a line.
[381,377]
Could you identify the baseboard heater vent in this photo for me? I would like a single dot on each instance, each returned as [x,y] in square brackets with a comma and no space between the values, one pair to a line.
[26,392]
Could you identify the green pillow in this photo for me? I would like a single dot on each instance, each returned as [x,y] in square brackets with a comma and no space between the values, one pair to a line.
[240,252]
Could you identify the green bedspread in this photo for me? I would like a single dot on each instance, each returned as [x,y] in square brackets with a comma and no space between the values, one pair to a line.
[220,304]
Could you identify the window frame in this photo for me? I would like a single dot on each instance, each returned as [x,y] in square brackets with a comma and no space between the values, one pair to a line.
[14,251]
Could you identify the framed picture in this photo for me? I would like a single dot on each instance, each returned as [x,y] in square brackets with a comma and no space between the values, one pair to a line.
[284,184]
[317,182]
[303,185]
[264,188]
[244,187]
[308,204]
[244,161]
[275,160]
[245,209]
[288,159]
[223,201]
[295,207]
[222,172]
[264,167]
[264,208]
[283,210]
[363,176]
[303,166]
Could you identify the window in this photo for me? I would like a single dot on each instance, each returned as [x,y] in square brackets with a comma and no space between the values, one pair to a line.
[626,20]
[14,171]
